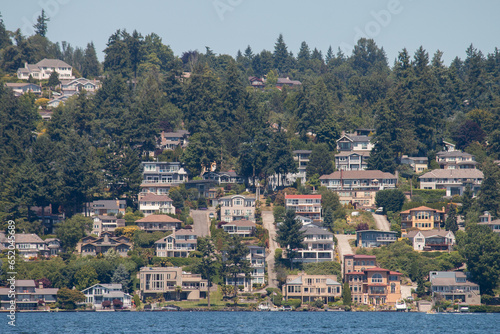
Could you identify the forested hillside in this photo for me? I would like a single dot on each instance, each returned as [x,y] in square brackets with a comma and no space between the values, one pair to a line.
[93,145]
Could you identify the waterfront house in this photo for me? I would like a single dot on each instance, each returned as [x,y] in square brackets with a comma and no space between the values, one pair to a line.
[98,293]
[375,286]
[257,260]
[375,238]
[163,223]
[31,246]
[318,245]
[308,288]
[422,218]
[172,283]
[357,263]
[28,295]
[178,244]
[453,286]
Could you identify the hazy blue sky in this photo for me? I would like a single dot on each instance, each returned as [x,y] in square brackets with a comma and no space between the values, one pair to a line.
[229,25]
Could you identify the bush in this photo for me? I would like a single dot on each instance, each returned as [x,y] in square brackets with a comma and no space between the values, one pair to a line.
[117,303]
[278,254]
[295,303]
[279,213]
[106,304]
[318,303]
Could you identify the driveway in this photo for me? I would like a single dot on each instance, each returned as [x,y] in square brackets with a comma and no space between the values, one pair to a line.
[201,222]
[268,223]
[382,222]
[344,247]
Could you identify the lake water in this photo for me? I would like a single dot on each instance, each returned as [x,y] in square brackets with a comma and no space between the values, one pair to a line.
[251,322]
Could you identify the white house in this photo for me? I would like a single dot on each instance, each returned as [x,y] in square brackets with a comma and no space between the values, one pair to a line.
[236,207]
[98,293]
[44,68]
[431,240]
[178,244]
[453,180]
[152,203]
[318,245]
[242,227]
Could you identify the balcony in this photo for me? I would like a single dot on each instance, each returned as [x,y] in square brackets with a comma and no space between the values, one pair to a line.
[387,239]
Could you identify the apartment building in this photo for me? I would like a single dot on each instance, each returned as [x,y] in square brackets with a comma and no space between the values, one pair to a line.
[308,288]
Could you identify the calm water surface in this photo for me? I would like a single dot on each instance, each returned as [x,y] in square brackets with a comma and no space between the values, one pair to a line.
[251,322]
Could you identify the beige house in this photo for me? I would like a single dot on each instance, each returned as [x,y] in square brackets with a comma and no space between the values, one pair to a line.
[172,283]
[318,245]
[308,288]
[243,228]
[237,207]
[358,263]
[453,286]
[418,164]
[152,203]
[358,187]
[422,218]
[432,240]
[454,181]
[178,244]
[456,160]
[308,206]
[106,223]
[163,223]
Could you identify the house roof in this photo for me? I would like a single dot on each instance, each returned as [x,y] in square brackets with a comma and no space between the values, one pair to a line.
[358,174]
[453,173]
[234,196]
[422,208]
[241,223]
[349,153]
[302,196]
[47,291]
[108,203]
[28,238]
[361,256]
[155,198]
[329,281]
[313,229]
[297,280]
[446,154]
[51,63]
[302,151]
[447,281]
[285,81]
[429,233]
[158,219]
[20,84]
[25,282]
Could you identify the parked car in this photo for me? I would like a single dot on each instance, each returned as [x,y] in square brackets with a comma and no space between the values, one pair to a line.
[211,215]
[379,211]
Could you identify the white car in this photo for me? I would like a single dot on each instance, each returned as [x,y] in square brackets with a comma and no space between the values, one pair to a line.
[211,215]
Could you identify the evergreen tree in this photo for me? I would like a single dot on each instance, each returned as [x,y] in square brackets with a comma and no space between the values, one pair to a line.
[91,67]
[121,276]
[451,219]
[41,24]
[280,56]
[382,157]
[346,295]
[4,35]
[328,219]
[320,161]
[489,193]
[53,79]
[289,235]
[467,201]
[235,260]
[209,266]
[85,277]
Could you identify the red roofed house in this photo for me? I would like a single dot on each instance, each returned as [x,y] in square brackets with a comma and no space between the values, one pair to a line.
[304,205]
[151,203]
[153,223]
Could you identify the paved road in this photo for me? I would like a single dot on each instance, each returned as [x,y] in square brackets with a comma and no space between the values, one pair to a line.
[344,247]
[268,223]
[382,222]
[201,222]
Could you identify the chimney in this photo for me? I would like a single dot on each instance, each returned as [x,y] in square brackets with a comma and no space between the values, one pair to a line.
[40,285]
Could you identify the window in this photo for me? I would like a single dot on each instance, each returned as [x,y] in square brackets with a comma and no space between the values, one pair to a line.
[377,278]
[393,288]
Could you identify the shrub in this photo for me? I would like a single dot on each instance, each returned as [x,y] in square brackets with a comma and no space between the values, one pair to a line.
[106,304]
[295,303]
[117,303]
[278,254]
[318,302]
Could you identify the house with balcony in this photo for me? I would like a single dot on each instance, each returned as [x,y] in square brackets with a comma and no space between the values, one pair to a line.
[375,238]
[106,207]
[93,245]
[353,151]
[493,224]
[98,293]
[305,205]
[31,246]
[360,187]
[242,227]
[358,263]
[28,295]
[159,176]
[456,160]
[106,224]
[318,245]
[422,218]
[224,177]
[205,188]
[453,286]
[44,68]
[454,181]
[308,288]
[172,283]
[162,223]
[151,203]
[257,260]
[237,207]
[171,140]
[70,87]
[431,240]
[417,164]
[375,286]
[178,244]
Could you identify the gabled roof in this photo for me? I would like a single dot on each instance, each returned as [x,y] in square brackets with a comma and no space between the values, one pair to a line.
[241,223]
[51,63]
[313,229]
[422,208]
[329,281]
[158,219]
[429,233]
[235,196]
[297,280]
[453,173]
[358,174]
[302,196]
[349,153]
